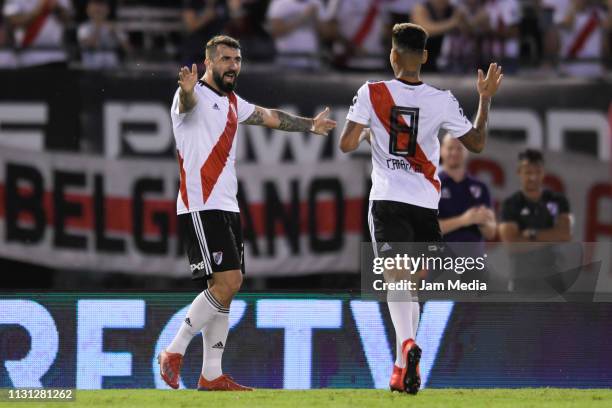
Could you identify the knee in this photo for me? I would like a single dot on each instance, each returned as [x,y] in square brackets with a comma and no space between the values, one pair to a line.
[234,283]
[227,284]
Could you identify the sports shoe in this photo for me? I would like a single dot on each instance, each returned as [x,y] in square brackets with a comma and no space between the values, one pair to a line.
[396,383]
[170,367]
[222,383]
[411,374]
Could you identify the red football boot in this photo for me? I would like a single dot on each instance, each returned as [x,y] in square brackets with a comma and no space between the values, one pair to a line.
[396,383]
[170,367]
[411,374]
[222,383]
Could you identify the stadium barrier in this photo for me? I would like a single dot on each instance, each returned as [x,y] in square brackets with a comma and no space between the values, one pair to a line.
[300,342]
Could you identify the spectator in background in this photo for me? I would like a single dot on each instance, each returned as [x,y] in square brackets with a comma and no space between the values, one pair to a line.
[398,11]
[582,28]
[293,24]
[247,20]
[465,204]
[355,29]
[99,39]
[8,59]
[461,48]
[501,29]
[39,30]
[439,18]
[533,214]
[203,20]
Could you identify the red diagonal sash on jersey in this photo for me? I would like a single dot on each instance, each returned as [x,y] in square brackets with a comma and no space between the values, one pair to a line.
[183,185]
[584,35]
[382,102]
[214,164]
[36,25]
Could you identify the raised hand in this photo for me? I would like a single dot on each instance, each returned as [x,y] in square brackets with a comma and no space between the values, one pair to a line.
[321,124]
[488,86]
[188,79]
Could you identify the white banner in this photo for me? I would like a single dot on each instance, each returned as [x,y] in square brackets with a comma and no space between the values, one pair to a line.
[85,212]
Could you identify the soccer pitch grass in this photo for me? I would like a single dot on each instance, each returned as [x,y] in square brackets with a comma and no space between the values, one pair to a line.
[473,398]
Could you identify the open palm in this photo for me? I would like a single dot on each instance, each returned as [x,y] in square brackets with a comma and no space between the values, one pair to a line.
[488,86]
[188,79]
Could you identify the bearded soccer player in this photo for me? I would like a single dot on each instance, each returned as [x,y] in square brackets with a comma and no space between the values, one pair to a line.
[205,114]
[404,116]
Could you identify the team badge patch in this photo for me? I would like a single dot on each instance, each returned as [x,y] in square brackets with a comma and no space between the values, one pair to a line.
[445,193]
[553,208]
[525,211]
[218,257]
[476,191]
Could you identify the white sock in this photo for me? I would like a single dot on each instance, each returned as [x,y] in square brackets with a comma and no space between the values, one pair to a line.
[401,316]
[203,309]
[416,315]
[214,339]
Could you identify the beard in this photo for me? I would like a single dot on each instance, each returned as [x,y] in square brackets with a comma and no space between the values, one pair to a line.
[225,86]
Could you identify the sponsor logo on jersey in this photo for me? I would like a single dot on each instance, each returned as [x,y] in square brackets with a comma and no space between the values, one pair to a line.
[216,107]
[218,257]
[188,322]
[445,193]
[219,345]
[199,266]
[525,211]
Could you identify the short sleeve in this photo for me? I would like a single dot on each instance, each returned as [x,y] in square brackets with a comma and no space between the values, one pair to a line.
[454,121]
[564,206]
[245,109]
[486,196]
[509,211]
[359,112]
[174,110]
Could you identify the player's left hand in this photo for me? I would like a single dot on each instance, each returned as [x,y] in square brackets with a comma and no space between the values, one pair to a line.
[321,124]
[488,86]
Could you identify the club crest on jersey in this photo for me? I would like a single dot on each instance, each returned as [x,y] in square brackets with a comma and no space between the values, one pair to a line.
[218,257]
[553,208]
[476,191]
[525,211]
[445,193]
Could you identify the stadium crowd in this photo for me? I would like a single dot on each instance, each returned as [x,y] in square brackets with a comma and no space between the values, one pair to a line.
[570,37]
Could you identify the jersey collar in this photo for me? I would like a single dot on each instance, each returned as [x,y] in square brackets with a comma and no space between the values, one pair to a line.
[204,83]
[409,83]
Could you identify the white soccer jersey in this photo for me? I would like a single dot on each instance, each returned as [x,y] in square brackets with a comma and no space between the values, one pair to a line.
[405,120]
[206,149]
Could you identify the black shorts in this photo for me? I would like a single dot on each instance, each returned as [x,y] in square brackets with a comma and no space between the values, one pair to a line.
[213,242]
[393,221]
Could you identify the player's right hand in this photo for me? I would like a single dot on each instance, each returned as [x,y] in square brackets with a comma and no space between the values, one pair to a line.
[488,86]
[188,79]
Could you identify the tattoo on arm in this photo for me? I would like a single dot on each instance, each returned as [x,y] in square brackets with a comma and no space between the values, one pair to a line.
[256,118]
[476,138]
[278,119]
[292,123]
[187,101]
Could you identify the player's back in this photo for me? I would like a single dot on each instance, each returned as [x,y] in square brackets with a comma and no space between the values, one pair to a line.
[405,119]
